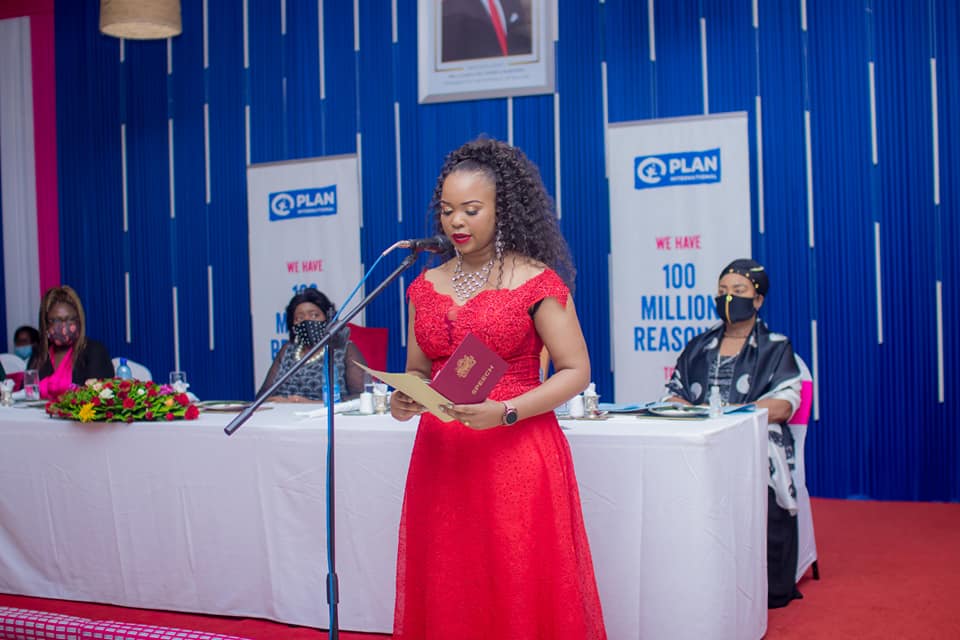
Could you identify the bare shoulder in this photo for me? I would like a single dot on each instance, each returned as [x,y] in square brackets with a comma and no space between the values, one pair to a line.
[519,269]
[439,274]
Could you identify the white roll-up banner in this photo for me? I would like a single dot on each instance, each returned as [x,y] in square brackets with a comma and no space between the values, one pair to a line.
[679,212]
[304,220]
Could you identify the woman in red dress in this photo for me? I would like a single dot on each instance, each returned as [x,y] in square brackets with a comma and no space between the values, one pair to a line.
[492,541]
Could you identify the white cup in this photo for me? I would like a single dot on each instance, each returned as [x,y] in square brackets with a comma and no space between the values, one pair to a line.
[576,406]
[366,403]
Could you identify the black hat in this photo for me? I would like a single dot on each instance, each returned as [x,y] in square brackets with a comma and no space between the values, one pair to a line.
[752,271]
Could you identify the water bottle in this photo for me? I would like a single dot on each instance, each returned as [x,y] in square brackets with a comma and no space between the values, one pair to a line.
[123,371]
[337,369]
[716,410]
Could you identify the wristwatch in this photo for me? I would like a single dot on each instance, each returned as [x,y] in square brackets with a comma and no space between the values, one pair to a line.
[510,415]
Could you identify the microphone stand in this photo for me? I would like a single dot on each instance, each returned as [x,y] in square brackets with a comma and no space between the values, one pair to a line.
[333,590]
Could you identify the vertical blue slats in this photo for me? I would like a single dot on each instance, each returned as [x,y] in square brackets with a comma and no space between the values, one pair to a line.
[584,197]
[379,189]
[304,107]
[148,180]
[227,371]
[678,87]
[188,237]
[906,215]
[629,71]
[340,114]
[947,25]
[868,441]
[846,309]
[89,168]
[267,136]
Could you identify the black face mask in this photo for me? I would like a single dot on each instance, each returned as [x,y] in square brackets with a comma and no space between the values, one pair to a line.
[733,309]
[309,332]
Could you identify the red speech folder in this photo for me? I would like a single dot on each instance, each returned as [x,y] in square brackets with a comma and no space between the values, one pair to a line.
[470,373]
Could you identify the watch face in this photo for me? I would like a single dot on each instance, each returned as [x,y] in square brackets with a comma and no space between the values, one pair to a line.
[510,416]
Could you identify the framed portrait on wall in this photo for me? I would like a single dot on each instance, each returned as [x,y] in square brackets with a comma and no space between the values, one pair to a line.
[471,49]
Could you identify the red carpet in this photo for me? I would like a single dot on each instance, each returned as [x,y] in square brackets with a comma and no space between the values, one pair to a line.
[888,569]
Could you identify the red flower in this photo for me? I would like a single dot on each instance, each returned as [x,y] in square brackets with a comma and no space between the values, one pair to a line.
[149,415]
[182,399]
[152,391]
[170,416]
[125,385]
[96,401]
[109,415]
[129,403]
[192,413]
[128,419]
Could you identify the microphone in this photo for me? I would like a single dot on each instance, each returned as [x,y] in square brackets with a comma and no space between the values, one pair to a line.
[436,244]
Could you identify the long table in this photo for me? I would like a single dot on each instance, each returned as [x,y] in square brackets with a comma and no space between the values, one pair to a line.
[179,516]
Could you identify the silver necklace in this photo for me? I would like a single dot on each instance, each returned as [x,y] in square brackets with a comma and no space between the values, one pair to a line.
[465,285]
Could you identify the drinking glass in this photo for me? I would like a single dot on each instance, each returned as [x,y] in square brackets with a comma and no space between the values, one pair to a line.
[380,397]
[31,384]
[178,380]
[367,383]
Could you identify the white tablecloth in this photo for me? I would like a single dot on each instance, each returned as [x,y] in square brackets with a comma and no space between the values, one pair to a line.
[179,516]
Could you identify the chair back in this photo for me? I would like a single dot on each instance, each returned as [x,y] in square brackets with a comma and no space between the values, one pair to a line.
[372,343]
[802,415]
[807,543]
[12,363]
[139,371]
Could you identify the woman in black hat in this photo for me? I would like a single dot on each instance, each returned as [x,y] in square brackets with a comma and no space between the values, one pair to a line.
[747,362]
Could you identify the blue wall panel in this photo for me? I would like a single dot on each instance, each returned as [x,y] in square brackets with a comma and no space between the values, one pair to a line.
[844,240]
[867,440]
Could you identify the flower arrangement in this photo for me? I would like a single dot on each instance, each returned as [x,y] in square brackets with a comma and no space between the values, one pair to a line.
[116,400]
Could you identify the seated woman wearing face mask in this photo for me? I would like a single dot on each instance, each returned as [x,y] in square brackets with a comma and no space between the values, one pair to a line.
[25,341]
[307,316]
[65,355]
[750,363]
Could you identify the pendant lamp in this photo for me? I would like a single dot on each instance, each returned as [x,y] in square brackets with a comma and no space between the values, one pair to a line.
[140,19]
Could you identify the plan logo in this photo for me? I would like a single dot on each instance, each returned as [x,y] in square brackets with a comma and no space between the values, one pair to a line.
[303,203]
[674,169]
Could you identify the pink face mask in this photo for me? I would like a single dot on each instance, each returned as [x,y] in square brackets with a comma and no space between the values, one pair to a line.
[64,334]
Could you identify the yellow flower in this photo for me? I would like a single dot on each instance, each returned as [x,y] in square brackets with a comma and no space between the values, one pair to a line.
[86,412]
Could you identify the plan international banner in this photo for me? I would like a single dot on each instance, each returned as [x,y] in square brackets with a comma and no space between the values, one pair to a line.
[304,221]
[679,212]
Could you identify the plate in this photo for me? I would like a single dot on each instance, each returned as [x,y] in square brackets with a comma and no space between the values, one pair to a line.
[680,411]
[223,405]
[30,404]
[601,415]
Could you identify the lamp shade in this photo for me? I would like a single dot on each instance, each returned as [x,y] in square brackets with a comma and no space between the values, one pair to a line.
[140,19]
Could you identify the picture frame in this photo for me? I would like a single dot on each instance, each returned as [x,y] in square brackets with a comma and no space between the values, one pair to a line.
[462,55]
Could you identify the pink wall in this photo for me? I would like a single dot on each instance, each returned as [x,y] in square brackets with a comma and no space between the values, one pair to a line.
[44,130]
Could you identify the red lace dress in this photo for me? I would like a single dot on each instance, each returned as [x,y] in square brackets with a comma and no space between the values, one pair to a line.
[492,542]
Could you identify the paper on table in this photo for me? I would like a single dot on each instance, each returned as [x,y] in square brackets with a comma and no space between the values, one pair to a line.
[340,407]
[415,387]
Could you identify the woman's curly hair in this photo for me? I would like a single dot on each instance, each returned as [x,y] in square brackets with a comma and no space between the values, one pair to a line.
[526,223]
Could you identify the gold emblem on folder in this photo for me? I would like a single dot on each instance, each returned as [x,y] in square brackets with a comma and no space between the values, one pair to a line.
[464,365]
